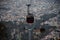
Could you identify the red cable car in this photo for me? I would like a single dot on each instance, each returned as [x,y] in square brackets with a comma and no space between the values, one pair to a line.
[30,19]
[59,39]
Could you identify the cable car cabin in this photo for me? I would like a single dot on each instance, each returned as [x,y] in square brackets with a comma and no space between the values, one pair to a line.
[30,19]
[42,30]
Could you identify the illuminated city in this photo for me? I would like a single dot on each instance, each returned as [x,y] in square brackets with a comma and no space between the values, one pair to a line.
[29,19]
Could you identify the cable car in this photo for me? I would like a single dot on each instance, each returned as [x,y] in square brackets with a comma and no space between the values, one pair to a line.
[30,18]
